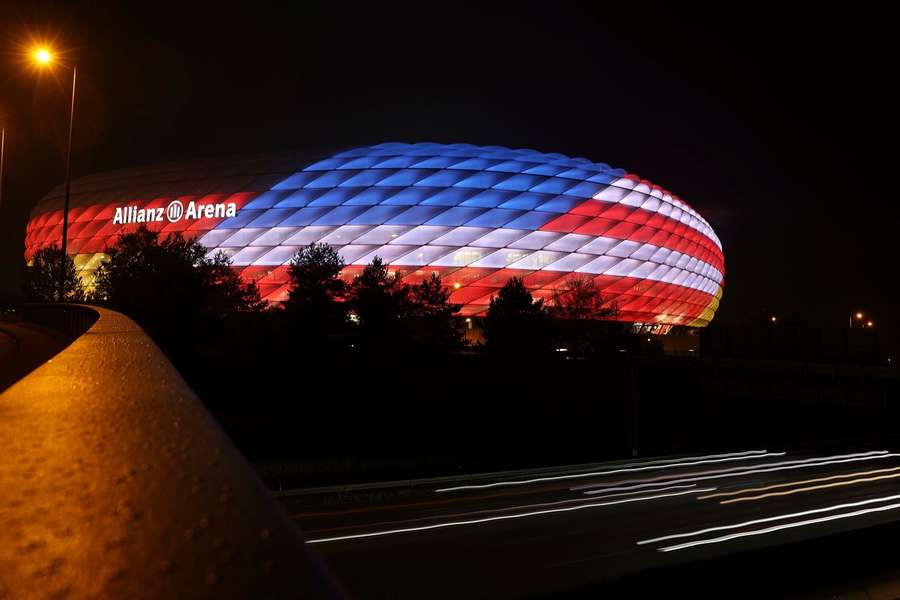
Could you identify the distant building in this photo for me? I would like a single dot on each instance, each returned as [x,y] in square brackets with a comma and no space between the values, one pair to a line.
[476,215]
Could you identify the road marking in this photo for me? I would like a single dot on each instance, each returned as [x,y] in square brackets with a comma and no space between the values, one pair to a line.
[793,483]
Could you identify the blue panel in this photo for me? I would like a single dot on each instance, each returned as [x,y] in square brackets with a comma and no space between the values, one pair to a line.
[544,169]
[448,197]
[396,162]
[366,178]
[305,216]
[475,164]
[417,215]
[334,197]
[326,165]
[330,179]
[561,204]
[554,185]
[271,217]
[436,162]
[295,181]
[496,217]
[299,198]
[456,216]
[511,166]
[585,189]
[377,215]
[519,183]
[532,220]
[604,178]
[405,177]
[372,195]
[489,198]
[482,180]
[409,196]
[577,174]
[240,219]
[340,215]
[266,200]
[444,178]
[525,201]
[363,162]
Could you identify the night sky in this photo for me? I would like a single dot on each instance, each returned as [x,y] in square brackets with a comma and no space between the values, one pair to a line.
[777,125]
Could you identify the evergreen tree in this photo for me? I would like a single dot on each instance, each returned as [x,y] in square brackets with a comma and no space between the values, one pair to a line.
[41,277]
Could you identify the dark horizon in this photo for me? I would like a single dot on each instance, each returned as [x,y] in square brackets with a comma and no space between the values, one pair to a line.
[770,124]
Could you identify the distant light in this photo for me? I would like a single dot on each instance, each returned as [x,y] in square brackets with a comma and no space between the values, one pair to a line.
[859,315]
[457,285]
[869,323]
[562,349]
[773,319]
[43,56]
[468,320]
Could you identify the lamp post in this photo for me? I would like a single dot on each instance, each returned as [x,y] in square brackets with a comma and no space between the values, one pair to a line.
[43,57]
[2,161]
[858,315]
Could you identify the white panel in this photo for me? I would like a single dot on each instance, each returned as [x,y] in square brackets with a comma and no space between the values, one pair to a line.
[634,199]
[661,255]
[538,260]
[214,238]
[383,234]
[420,235]
[599,265]
[308,235]
[570,242]
[659,273]
[498,238]
[277,256]
[352,252]
[423,255]
[461,236]
[570,262]
[387,254]
[345,234]
[624,268]
[243,237]
[673,258]
[275,236]
[536,240]
[600,245]
[247,255]
[611,194]
[462,257]
[501,258]
[644,270]
[624,249]
[683,260]
[644,252]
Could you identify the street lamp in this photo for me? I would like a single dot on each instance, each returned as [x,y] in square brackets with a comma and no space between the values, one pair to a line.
[858,315]
[43,57]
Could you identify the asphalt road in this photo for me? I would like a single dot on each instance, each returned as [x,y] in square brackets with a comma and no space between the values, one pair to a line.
[545,532]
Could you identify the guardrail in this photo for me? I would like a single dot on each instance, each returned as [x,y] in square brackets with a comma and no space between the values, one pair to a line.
[69,319]
[115,482]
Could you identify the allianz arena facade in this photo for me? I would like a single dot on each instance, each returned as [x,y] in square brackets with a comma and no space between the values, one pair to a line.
[475,215]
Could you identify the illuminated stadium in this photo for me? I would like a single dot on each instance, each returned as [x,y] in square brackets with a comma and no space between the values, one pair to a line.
[477,215]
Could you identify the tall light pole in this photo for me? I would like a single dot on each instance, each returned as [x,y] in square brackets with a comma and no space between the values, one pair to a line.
[2,162]
[43,56]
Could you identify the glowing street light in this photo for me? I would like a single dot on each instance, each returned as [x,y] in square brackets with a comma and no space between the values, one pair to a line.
[858,316]
[43,56]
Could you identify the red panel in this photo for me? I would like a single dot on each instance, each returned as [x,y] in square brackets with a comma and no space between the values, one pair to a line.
[596,226]
[565,223]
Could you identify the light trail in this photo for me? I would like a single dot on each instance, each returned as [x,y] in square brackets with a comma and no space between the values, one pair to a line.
[739,472]
[502,517]
[813,488]
[793,483]
[627,468]
[804,513]
[725,538]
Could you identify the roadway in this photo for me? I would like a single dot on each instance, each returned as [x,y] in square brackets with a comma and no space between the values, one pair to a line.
[546,531]
[24,347]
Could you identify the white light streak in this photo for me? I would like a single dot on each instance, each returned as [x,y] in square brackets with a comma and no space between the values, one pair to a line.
[628,468]
[741,471]
[501,517]
[804,513]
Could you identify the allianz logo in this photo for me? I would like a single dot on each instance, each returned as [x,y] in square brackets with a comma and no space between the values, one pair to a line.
[175,211]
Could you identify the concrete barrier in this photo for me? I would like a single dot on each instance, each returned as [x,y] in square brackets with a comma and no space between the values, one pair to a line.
[116,483]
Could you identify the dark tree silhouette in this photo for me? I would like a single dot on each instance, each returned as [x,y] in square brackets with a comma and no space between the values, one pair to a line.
[515,321]
[172,289]
[436,325]
[316,302]
[380,302]
[41,278]
[580,298]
